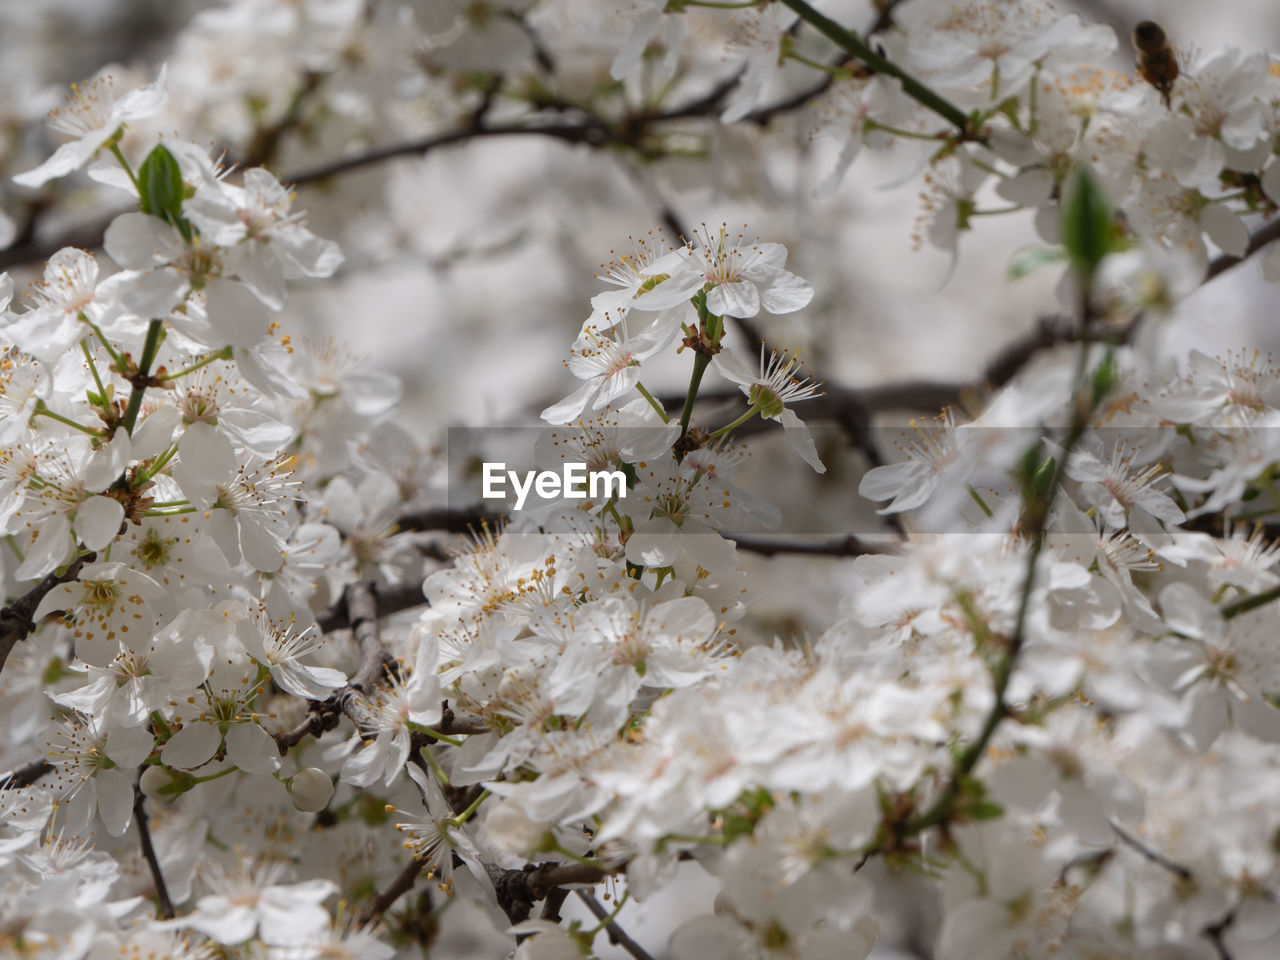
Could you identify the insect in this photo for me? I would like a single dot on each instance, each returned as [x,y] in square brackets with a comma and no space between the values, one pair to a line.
[1157,62]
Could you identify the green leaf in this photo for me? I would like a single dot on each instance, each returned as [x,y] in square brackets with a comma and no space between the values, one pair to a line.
[1087,229]
[160,182]
[1104,377]
[1030,259]
[1043,479]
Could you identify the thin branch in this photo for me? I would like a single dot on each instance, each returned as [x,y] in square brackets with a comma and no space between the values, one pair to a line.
[551,906]
[617,935]
[15,619]
[401,885]
[847,545]
[362,610]
[389,600]
[449,519]
[519,890]
[1129,840]
[1257,240]
[149,852]
[1213,933]
[26,775]
[912,87]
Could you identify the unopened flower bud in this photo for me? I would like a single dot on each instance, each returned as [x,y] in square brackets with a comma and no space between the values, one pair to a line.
[153,779]
[310,789]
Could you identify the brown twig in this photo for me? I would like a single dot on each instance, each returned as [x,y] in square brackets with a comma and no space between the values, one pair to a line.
[448,519]
[26,775]
[519,890]
[401,885]
[1257,240]
[846,545]
[1133,843]
[617,935]
[15,619]
[389,600]
[149,852]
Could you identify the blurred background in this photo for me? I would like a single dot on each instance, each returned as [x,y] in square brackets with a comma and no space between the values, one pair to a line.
[470,266]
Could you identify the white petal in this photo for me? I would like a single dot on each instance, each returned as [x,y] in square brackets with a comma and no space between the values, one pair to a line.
[740,299]
[236,313]
[98,521]
[251,748]
[787,293]
[801,441]
[1225,229]
[115,800]
[191,746]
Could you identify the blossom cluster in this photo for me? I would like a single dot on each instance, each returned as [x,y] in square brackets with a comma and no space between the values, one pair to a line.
[1046,708]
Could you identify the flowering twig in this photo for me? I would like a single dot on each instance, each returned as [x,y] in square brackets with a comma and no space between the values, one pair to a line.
[910,85]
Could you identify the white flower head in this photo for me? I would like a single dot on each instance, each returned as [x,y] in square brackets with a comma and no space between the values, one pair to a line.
[93,115]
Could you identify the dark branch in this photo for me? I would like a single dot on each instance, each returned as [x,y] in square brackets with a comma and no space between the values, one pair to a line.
[617,935]
[1257,241]
[362,610]
[149,852]
[15,619]
[449,519]
[389,600]
[847,545]
[401,885]
[519,890]
[25,775]
[1129,840]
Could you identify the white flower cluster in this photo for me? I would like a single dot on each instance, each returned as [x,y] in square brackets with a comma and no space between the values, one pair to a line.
[1053,722]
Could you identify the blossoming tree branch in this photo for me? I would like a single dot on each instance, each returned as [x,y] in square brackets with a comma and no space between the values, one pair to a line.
[272,690]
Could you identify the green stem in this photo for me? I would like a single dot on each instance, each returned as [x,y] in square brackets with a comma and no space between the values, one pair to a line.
[43,411]
[115,150]
[436,735]
[838,72]
[170,513]
[224,354]
[610,917]
[106,344]
[700,364]
[1252,602]
[893,131]
[653,402]
[978,499]
[751,412]
[435,765]
[465,815]
[149,350]
[93,369]
[854,45]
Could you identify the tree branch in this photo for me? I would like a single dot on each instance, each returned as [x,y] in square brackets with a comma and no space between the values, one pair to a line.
[26,775]
[401,885]
[149,852]
[617,935]
[388,600]
[1129,840]
[846,545]
[1257,240]
[449,519]
[15,619]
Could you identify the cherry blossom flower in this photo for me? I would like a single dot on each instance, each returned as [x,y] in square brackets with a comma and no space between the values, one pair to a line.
[93,115]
